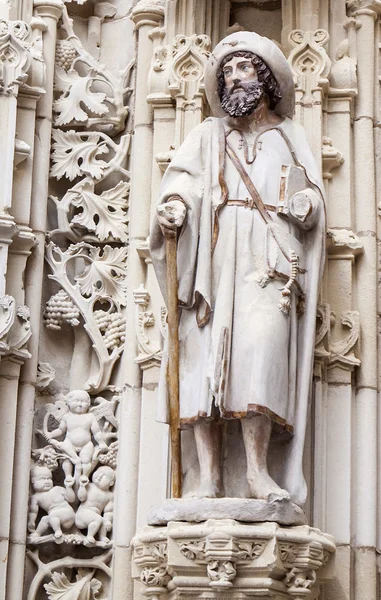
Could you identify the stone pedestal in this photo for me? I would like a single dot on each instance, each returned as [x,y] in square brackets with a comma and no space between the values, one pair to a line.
[224,558]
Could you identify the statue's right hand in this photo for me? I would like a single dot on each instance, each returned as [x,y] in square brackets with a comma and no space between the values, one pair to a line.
[171,216]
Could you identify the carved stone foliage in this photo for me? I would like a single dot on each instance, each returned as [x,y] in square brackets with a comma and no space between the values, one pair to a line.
[74,472]
[87,93]
[87,242]
[222,555]
[70,578]
[93,300]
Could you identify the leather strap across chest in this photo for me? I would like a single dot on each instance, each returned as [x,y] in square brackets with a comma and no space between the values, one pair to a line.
[257,200]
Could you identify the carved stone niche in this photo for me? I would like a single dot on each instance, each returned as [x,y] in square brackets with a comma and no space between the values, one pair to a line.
[227,559]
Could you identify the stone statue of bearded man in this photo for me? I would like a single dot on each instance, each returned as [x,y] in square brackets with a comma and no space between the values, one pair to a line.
[244,196]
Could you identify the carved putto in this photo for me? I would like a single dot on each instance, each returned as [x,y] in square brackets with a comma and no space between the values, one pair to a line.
[81,457]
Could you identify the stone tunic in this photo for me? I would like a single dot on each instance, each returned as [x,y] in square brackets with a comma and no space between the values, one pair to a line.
[248,357]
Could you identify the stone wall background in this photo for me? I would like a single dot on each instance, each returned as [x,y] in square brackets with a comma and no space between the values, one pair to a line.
[122,84]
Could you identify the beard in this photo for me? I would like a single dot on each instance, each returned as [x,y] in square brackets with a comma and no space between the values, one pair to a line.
[243,103]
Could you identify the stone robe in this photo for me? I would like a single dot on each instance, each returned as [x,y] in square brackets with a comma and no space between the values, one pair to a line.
[240,355]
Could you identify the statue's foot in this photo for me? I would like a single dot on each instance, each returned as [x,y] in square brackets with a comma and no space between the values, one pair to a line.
[262,486]
[58,534]
[90,539]
[208,489]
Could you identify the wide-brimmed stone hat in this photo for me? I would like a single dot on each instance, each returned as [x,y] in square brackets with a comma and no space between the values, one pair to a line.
[249,41]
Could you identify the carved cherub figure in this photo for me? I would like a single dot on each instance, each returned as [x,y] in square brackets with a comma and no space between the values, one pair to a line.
[79,427]
[54,500]
[96,509]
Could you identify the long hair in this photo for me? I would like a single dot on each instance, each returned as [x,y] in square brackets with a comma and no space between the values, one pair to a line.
[265,77]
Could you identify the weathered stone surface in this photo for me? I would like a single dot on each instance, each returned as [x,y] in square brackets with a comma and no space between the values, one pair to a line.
[279,510]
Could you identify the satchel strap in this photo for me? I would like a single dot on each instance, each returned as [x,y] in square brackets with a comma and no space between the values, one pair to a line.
[257,200]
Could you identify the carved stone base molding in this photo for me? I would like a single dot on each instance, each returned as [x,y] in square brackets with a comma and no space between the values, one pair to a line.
[206,560]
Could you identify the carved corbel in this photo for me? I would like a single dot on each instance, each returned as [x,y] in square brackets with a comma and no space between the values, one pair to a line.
[227,555]
[332,158]
[150,559]
[343,244]
[310,64]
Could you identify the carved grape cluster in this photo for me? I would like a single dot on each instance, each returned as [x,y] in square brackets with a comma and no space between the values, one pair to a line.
[110,458]
[65,54]
[59,309]
[112,325]
[46,457]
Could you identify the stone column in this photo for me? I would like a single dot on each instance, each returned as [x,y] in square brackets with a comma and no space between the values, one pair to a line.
[146,16]
[365,416]
[49,12]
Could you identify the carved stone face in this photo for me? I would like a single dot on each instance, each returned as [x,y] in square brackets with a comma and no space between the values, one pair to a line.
[104,478]
[42,480]
[243,92]
[79,402]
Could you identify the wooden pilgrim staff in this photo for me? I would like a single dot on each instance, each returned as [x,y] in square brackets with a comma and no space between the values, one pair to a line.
[173,360]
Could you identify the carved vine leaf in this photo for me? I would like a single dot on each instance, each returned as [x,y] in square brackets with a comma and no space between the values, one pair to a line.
[73,156]
[77,93]
[45,375]
[84,588]
[106,274]
[104,213]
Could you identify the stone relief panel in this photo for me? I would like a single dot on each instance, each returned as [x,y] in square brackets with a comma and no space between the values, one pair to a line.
[74,458]
[74,472]
[88,241]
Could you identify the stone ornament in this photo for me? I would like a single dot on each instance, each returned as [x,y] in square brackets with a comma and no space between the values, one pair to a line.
[70,578]
[81,510]
[220,555]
